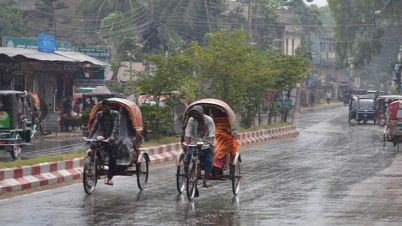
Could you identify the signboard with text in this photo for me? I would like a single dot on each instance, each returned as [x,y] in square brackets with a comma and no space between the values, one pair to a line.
[46,43]
[90,77]
[32,43]
[100,53]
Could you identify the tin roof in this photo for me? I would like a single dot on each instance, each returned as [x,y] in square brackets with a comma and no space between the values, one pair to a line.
[33,54]
[57,56]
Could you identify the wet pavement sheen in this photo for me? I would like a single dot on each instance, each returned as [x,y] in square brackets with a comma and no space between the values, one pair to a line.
[331,174]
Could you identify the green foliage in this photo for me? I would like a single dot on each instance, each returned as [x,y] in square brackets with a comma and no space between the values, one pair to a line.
[122,46]
[221,66]
[156,119]
[166,75]
[361,25]
[84,118]
[12,21]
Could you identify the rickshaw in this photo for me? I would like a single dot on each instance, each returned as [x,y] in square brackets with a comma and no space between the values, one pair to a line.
[15,126]
[226,163]
[382,106]
[130,159]
[393,128]
[362,109]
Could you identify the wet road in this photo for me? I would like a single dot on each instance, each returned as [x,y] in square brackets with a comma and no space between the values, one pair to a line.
[47,147]
[331,174]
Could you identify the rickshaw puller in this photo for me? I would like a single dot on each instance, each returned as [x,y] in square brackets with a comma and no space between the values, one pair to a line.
[107,123]
[201,127]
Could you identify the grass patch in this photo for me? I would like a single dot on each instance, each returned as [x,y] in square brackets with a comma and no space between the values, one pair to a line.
[151,143]
[270,126]
[42,159]
[165,140]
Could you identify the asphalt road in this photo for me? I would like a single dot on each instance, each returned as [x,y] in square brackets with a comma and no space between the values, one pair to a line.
[331,174]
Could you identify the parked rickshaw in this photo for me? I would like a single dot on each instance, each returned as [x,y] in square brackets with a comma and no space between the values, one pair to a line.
[382,106]
[393,128]
[130,159]
[226,163]
[362,108]
[15,123]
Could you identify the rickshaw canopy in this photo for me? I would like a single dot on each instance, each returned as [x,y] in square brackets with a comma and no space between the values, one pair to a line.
[12,105]
[395,110]
[212,103]
[128,106]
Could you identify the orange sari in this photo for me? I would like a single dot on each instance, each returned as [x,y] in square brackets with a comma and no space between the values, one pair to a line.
[225,142]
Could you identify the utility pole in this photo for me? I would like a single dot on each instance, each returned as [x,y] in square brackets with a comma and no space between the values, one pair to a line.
[249,19]
[151,11]
[207,14]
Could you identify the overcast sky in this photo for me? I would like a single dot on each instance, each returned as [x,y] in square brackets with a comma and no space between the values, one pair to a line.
[319,2]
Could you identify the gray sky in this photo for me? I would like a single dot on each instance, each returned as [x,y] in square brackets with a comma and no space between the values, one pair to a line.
[319,2]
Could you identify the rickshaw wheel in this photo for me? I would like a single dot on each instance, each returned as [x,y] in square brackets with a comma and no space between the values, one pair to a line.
[89,176]
[16,148]
[235,176]
[142,172]
[181,174]
[191,185]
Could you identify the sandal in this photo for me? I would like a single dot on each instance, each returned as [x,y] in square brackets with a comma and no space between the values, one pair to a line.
[109,183]
[206,185]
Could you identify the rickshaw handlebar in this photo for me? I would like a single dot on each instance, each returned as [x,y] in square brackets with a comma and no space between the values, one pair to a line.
[198,144]
[95,140]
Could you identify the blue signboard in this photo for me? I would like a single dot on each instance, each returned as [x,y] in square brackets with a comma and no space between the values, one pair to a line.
[46,43]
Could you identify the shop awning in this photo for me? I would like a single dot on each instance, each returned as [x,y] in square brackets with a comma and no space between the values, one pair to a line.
[33,54]
[72,57]
[80,57]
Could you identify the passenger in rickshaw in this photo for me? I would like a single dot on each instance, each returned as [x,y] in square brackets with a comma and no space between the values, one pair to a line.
[106,124]
[225,140]
[201,127]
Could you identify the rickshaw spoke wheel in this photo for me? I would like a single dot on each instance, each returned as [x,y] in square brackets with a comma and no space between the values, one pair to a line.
[236,176]
[181,175]
[16,148]
[89,175]
[142,173]
[191,185]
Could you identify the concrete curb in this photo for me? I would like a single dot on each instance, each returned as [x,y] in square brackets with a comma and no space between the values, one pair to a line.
[21,178]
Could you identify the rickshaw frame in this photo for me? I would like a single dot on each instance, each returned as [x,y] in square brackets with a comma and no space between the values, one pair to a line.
[383,103]
[132,159]
[183,175]
[393,128]
[15,128]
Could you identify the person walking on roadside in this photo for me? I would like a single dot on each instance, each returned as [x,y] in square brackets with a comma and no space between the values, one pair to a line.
[328,97]
[312,99]
[107,124]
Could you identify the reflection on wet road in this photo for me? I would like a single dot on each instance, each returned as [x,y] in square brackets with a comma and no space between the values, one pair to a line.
[331,174]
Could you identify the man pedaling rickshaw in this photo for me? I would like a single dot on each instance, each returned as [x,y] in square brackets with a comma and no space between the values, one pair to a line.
[201,127]
[106,124]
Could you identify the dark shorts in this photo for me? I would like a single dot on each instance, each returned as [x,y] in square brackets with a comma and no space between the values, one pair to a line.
[207,157]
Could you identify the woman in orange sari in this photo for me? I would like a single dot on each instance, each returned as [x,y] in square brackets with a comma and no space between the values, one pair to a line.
[225,140]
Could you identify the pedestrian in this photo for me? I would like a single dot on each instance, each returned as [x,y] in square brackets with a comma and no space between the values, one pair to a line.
[67,109]
[107,124]
[312,99]
[328,97]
